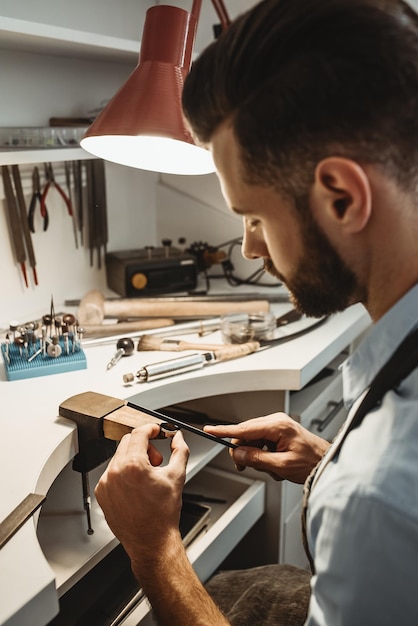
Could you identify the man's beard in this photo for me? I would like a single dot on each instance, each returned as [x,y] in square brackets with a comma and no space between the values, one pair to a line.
[322,283]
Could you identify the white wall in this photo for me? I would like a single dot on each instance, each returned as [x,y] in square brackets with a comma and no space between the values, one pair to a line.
[64,271]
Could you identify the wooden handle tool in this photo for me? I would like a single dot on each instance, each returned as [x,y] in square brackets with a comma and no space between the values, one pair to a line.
[223,352]
[94,308]
[104,330]
[153,342]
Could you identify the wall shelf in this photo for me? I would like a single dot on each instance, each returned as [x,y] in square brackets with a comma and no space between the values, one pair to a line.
[16,34]
[11,157]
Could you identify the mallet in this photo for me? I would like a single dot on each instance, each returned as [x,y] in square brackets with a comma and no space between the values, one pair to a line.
[94,307]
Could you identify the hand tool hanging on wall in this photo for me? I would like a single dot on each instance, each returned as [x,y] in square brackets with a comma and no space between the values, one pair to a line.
[74,212]
[13,222]
[50,181]
[76,167]
[24,221]
[97,228]
[35,199]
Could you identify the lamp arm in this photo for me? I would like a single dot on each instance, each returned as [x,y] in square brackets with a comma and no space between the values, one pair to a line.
[222,13]
[196,9]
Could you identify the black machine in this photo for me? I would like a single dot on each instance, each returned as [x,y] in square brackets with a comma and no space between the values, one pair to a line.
[151,271]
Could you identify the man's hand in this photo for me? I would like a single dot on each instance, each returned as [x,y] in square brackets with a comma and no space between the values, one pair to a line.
[136,492]
[141,500]
[275,444]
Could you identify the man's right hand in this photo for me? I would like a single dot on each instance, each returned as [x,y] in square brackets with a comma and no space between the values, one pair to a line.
[275,444]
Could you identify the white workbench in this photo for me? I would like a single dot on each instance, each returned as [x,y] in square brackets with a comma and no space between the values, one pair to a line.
[37,445]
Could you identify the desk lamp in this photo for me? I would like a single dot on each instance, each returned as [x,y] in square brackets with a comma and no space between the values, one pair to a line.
[142,126]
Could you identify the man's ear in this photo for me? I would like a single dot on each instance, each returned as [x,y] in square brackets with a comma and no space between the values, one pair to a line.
[342,192]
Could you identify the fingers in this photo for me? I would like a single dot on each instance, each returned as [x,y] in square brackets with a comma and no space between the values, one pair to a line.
[136,450]
[261,460]
[258,428]
[179,453]
[275,444]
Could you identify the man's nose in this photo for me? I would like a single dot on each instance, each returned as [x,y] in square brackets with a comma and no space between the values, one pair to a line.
[253,246]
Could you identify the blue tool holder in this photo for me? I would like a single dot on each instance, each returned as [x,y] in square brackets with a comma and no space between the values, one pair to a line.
[18,367]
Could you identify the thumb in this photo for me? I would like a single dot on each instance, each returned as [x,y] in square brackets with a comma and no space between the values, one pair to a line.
[179,453]
[248,456]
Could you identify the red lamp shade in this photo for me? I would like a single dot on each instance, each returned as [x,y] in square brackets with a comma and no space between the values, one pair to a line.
[143,126]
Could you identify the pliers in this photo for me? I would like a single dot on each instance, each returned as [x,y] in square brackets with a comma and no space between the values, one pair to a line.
[50,180]
[36,197]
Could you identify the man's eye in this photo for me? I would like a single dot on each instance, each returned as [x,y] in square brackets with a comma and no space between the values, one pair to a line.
[252,224]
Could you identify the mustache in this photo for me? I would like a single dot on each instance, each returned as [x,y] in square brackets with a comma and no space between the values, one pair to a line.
[269,267]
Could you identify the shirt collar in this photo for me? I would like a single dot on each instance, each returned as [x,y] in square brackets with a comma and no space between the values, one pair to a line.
[378,345]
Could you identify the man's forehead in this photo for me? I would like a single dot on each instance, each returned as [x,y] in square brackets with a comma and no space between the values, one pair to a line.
[225,152]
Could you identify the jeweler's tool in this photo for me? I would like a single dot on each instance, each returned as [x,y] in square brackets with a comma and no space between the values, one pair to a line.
[204,297]
[179,425]
[124,329]
[87,500]
[94,308]
[191,362]
[74,212]
[97,230]
[195,361]
[103,420]
[24,220]
[124,347]
[201,327]
[77,168]
[50,181]
[36,198]
[152,342]
[13,222]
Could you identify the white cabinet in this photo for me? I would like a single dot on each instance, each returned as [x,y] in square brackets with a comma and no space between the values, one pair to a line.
[73,554]
[258,521]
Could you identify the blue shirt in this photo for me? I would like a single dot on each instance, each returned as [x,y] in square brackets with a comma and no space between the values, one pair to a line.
[363,510]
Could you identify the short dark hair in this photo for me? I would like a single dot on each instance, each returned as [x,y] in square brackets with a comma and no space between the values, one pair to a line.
[304,79]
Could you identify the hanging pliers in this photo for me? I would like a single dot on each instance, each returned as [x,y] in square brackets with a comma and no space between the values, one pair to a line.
[36,197]
[50,180]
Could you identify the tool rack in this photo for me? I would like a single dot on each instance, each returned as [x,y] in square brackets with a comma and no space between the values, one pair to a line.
[26,355]
[18,366]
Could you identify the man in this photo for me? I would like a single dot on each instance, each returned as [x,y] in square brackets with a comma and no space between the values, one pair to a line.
[309,108]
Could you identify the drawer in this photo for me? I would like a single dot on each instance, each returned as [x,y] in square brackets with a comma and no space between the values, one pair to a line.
[319,406]
[230,521]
